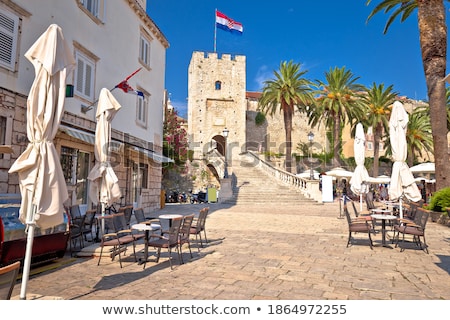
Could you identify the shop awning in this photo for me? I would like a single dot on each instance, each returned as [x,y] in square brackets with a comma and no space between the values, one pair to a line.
[153,155]
[89,137]
[79,134]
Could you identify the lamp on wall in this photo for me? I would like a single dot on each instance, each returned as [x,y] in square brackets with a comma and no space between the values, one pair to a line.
[225,133]
[69,90]
[310,139]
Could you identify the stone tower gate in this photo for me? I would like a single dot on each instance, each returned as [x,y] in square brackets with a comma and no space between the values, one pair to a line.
[216,100]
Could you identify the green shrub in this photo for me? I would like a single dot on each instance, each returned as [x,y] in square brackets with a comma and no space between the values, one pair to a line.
[260,118]
[440,200]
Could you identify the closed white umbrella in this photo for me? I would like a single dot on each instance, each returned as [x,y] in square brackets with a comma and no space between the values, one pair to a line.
[360,175]
[41,178]
[104,186]
[402,181]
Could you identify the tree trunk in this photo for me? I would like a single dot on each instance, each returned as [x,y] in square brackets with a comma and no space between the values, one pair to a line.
[410,159]
[287,115]
[376,150]
[337,139]
[433,44]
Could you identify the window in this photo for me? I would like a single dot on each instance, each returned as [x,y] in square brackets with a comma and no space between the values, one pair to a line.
[84,76]
[141,110]
[95,9]
[75,166]
[68,164]
[143,174]
[369,145]
[9,32]
[92,6]
[139,178]
[218,85]
[144,51]
[2,132]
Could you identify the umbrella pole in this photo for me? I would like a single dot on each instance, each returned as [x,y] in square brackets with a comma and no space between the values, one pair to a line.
[28,251]
[340,206]
[400,207]
[103,220]
[360,203]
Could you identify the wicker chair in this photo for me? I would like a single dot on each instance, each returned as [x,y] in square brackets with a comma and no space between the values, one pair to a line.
[185,234]
[416,229]
[357,226]
[167,241]
[128,213]
[76,225]
[8,277]
[89,223]
[118,237]
[199,226]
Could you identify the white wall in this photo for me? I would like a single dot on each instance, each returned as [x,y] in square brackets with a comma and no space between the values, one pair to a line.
[115,42]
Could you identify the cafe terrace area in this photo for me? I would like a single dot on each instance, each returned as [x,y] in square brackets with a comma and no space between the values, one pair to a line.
[269,251]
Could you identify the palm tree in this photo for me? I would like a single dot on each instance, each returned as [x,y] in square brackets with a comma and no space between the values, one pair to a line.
[289,89]
[433,44]
[418,135]
[338,102]
[379,102]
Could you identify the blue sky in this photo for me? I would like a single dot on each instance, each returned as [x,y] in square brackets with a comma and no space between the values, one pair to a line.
[318,34]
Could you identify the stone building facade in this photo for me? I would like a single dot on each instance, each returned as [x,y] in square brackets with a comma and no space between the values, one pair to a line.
[137,130]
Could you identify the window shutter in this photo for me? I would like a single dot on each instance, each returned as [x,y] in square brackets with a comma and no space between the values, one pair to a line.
[88,83]
[84,76]
[9,26]
[80,76]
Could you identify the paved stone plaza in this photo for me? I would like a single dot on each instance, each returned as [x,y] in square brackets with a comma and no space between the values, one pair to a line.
[264,252]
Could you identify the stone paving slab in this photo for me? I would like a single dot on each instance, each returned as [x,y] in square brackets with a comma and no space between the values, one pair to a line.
[265,252]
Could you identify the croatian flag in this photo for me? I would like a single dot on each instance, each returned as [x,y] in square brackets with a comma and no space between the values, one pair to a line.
[125,86]
[228,24]
[128,89]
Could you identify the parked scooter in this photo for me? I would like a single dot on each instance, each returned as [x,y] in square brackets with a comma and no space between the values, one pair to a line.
[182,197]
[172,197]
[199,197]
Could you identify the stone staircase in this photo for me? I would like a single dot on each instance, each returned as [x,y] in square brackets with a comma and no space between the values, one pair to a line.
[251,185]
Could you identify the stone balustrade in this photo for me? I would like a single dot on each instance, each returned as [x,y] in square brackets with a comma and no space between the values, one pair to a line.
[309,188]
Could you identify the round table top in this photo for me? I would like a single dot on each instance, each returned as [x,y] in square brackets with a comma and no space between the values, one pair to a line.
[384,216]
[170,216]
[145,227]
[379,210]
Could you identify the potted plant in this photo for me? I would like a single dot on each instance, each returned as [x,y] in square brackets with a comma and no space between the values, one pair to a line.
[439,201]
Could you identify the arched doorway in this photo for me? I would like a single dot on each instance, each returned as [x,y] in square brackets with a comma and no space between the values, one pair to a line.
[220,144]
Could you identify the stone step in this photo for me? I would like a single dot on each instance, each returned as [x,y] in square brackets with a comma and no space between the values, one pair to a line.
[254,186]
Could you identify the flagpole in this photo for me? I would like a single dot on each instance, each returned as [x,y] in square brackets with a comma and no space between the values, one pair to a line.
[86,109]
[215,30]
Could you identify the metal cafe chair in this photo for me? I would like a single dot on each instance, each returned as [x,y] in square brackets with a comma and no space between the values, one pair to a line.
[8,277]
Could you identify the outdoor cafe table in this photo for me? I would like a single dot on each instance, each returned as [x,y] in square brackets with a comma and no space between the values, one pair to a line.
[168,217]
[392,205]
[381,211]
[383,218]
[147,228]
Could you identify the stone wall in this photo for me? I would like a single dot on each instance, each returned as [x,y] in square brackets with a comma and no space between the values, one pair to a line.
[271,135]
[13,107]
